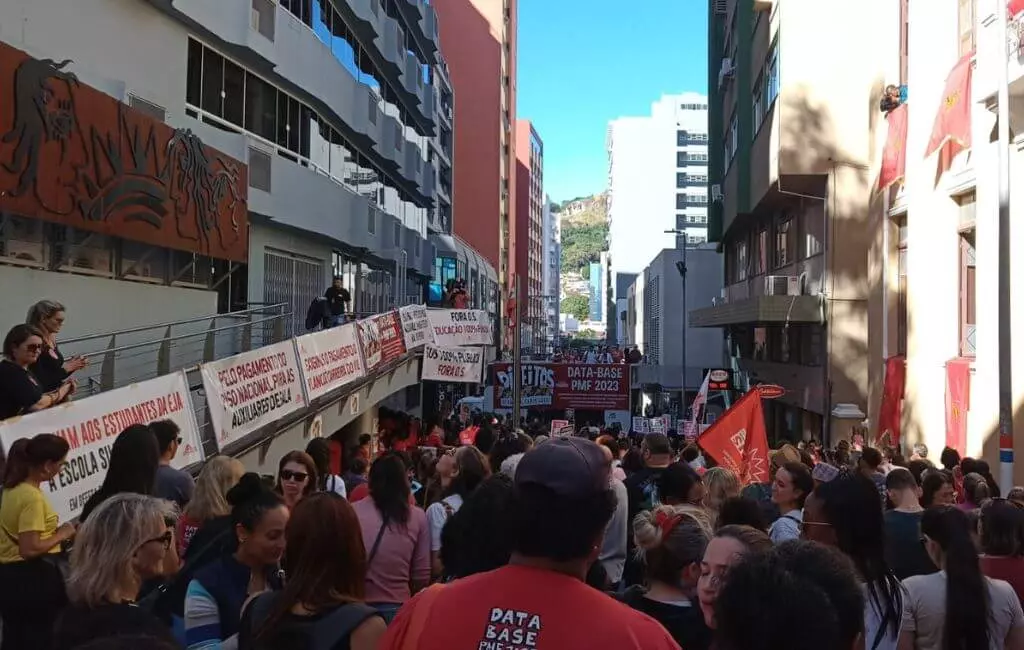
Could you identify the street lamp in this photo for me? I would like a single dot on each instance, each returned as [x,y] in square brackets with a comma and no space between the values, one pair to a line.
[681,267]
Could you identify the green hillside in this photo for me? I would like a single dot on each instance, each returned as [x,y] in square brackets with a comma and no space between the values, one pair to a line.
[584,232]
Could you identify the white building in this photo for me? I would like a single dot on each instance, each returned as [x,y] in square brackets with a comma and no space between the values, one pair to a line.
[655,321]
[657,180]
[551,233]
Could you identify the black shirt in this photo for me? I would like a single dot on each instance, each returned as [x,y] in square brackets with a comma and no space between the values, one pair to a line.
[19,390]
[49,369]
[642,490]
[78,625]
[904,550]
[684,622]
[337,299]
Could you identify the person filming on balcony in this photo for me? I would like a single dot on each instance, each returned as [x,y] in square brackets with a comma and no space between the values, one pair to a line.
[338,300]
[51,369]
[20,391]
[456,296]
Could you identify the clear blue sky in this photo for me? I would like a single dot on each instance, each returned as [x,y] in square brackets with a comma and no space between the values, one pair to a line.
[583,63]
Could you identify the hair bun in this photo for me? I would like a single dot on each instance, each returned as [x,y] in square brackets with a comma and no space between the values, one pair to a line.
[249,487]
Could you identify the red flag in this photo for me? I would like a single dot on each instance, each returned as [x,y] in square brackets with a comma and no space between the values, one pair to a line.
[958,402]
[890,411]
[738,440]
[953,122]
[894,156]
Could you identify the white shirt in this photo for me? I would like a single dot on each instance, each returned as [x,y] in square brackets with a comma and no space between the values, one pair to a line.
[335,484]
[873,620]
[437,516]
[787,526]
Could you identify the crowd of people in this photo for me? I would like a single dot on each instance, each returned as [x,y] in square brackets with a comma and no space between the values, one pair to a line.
[442,534]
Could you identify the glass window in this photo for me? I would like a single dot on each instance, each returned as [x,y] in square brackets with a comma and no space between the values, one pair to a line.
[680,179]
[771,88]
[762,252]
[213,83]
[681,138]
[966,12]
[681,201]
[194,82]
[784,233]
[681,159]
[234,94]
[260,107]
[968,294]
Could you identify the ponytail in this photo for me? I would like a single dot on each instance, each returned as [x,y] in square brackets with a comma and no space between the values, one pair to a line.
[967,597]
[27,454]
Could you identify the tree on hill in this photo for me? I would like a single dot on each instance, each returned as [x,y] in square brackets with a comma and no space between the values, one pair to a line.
[582,245]
[576,306]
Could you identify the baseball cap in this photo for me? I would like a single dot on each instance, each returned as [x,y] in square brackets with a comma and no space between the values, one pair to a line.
[573,468]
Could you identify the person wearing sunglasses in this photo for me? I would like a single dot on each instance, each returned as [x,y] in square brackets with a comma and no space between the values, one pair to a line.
[20,391]
[172,484]
[120,546]
[296,477]
[51,368]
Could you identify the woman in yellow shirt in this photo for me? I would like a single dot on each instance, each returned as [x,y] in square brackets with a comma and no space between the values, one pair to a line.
[29,538]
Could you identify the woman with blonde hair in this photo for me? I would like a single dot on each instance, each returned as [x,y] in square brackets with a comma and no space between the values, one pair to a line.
[121,545]
[721,484]
[671,541]
[51,368]
[220,474]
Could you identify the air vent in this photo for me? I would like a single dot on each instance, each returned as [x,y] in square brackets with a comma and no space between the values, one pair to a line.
[259,169]
[147,108]
[721,7]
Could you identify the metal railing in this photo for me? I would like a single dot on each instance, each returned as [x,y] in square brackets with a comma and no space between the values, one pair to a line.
[127,356]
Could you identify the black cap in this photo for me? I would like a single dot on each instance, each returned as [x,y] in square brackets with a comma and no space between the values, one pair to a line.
[574,468]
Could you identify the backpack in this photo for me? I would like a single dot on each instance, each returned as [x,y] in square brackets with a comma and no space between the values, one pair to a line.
[324,633]
[316,313]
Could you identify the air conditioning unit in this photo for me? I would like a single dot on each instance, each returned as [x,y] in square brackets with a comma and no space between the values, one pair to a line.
[782,285]
[721,7]
[716,193]
[726,72]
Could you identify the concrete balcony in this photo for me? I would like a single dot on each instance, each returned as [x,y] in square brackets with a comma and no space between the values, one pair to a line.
[428,185]
[393,137]
[391,43]
[248,28]
[422,20]
[413,163]
[428,101]
[365,17]
[368,118]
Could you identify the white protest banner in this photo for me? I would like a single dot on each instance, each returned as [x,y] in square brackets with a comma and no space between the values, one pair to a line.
[251,390]
[453,364]
[91,425]
[329,359]
[369,341]
[456,327]
[416,326]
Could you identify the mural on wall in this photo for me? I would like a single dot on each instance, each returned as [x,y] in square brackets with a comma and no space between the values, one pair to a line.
[73,155]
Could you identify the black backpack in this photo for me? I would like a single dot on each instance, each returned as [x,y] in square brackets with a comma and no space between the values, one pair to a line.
[317,313]
[323,634]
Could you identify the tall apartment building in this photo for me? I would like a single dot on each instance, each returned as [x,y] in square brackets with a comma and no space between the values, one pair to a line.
[551,283]
[527,235]
[794,148]
[478,38]
[943,261]
[311,121]
[657,180]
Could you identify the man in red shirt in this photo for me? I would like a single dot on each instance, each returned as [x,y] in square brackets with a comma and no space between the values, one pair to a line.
[560,507]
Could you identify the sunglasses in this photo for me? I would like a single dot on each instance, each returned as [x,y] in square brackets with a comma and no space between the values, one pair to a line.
[164,539]
[298,477]
[33,347]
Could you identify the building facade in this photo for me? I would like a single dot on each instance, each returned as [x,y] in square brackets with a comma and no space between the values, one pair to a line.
[623,281]
[527,236]
[478,38]
[655,323]
[657,180]
[793,163]
[329,107]
[551,282]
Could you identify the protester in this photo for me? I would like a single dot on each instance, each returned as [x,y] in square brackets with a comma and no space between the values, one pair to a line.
[976,492]
[459,472]
[721,484]
[338,299]
[134,459]
[903,549]
[355,476]
[296,477]
[642,492]
[219,474]
[729,546]
[1002,543]
[121,545]
[615,545]
[20,391]
[793,483]
[672,541]
[741,511]
[476,539]
[32,590]
[320,606]
[937,489]
[396,537]
[172,484]
[320,451]
[680,484]
[958,607]
[213,606]
[51,369]
[560,508]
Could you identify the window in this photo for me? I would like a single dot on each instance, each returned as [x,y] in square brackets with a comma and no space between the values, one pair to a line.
[680,179]
[739,271]
[904,25]
[260,107]
[212,100]
[758,101]
[681,160]
[968,294]
[681,138]
[784,238]
[901,272]
[762,252]
[966,12]
[771,77]
[811,231]
[732,139]
[681,201]
[233,93]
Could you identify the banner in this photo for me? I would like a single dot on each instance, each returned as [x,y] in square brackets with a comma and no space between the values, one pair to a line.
[463,365]
[329,359]
[738,440]
[894,155]
[251,390]
[697,407]
[380,338]
[91,425]
[641,425]
[456,327]
[958,402]
[953,121]
[416,326]
[891,409]
[589,386]
[557,426]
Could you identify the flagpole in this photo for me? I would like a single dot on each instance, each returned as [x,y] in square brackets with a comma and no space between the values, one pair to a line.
[1004,278]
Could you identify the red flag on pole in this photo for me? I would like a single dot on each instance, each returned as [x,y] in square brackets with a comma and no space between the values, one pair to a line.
[890,411]
[894,156]
[953,121]
[958,402]
[738,440]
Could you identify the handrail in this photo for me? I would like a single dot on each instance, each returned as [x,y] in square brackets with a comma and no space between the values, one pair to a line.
[135,330]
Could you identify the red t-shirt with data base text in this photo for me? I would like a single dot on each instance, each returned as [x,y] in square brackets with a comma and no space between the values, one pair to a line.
[522,608]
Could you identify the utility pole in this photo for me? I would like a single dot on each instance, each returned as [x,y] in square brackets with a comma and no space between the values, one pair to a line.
[517,354]
[681,267]
[1004,277]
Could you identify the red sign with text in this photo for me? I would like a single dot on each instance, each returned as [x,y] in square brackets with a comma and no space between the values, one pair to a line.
[590,386]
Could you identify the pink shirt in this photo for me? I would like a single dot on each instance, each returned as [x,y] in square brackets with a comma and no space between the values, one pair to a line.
[403,554]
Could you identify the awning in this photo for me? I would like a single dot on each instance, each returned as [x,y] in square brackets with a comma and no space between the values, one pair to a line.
[445,245]
[769,310]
